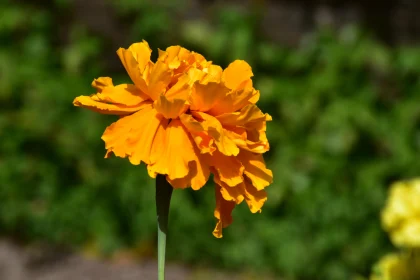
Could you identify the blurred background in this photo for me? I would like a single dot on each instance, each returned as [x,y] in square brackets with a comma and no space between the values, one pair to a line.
[339,77]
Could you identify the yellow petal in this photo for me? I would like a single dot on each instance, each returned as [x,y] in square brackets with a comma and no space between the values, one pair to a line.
[133,135]
[178,151]
[214,129]
[131,65]
[254,198]
[229,169]
[120,100]
[170,109]
[236,73]
[222,212]
[255,169]
[159,79]
[204,96]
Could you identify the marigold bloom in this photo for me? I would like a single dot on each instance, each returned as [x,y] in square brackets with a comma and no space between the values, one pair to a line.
[185,118]
[401,216]
[397,267]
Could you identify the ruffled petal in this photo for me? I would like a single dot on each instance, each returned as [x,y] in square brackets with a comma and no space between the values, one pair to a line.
[123,94]
[235,193]
[178,151]
[102,82]
[254,198]
[255,97]
[141,53]
[236,74]
[194,75]
[159,79]
[214,129]
[228,168]
[174,56]
[204,142]
[133,135]
[181,60]
[198,175]
[259,146]
[222,212]
[213,74]
[117,100]
[255,169]
[170,109]
[181,89]
[234,101]
[134,60]
[248,114]
[204,96]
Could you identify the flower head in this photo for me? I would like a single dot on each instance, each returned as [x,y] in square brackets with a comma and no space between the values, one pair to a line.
[185,118]
[397,266]
[401,216]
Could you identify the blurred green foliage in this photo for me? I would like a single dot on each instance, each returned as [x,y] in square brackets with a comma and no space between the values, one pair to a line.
[346,113]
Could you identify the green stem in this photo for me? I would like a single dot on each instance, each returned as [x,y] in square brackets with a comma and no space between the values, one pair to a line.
[163,200]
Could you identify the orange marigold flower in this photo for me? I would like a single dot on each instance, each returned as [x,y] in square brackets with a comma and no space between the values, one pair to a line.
[185,118]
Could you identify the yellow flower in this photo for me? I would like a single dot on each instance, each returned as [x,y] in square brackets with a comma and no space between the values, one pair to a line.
[185,118]
[401,216]
[397,267]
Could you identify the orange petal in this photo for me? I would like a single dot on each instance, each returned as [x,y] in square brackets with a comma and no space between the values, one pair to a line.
[195,74]
[123,94]
[248,114]
[255,169]
[159,79]
[170,109]
[147,138]
[255,97]
[261,146]
[254,198]
[102,82]
[237,73]
[120,100]
[133,60]
[178,151]
[181,89]
[213,74]
[201,138]
[133,135]
[204,96]
[229,169]
[257,134]
[214,129]
[234,101]
[236,193]
[198,175]
[174,56]
[141,53]
[222,212]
